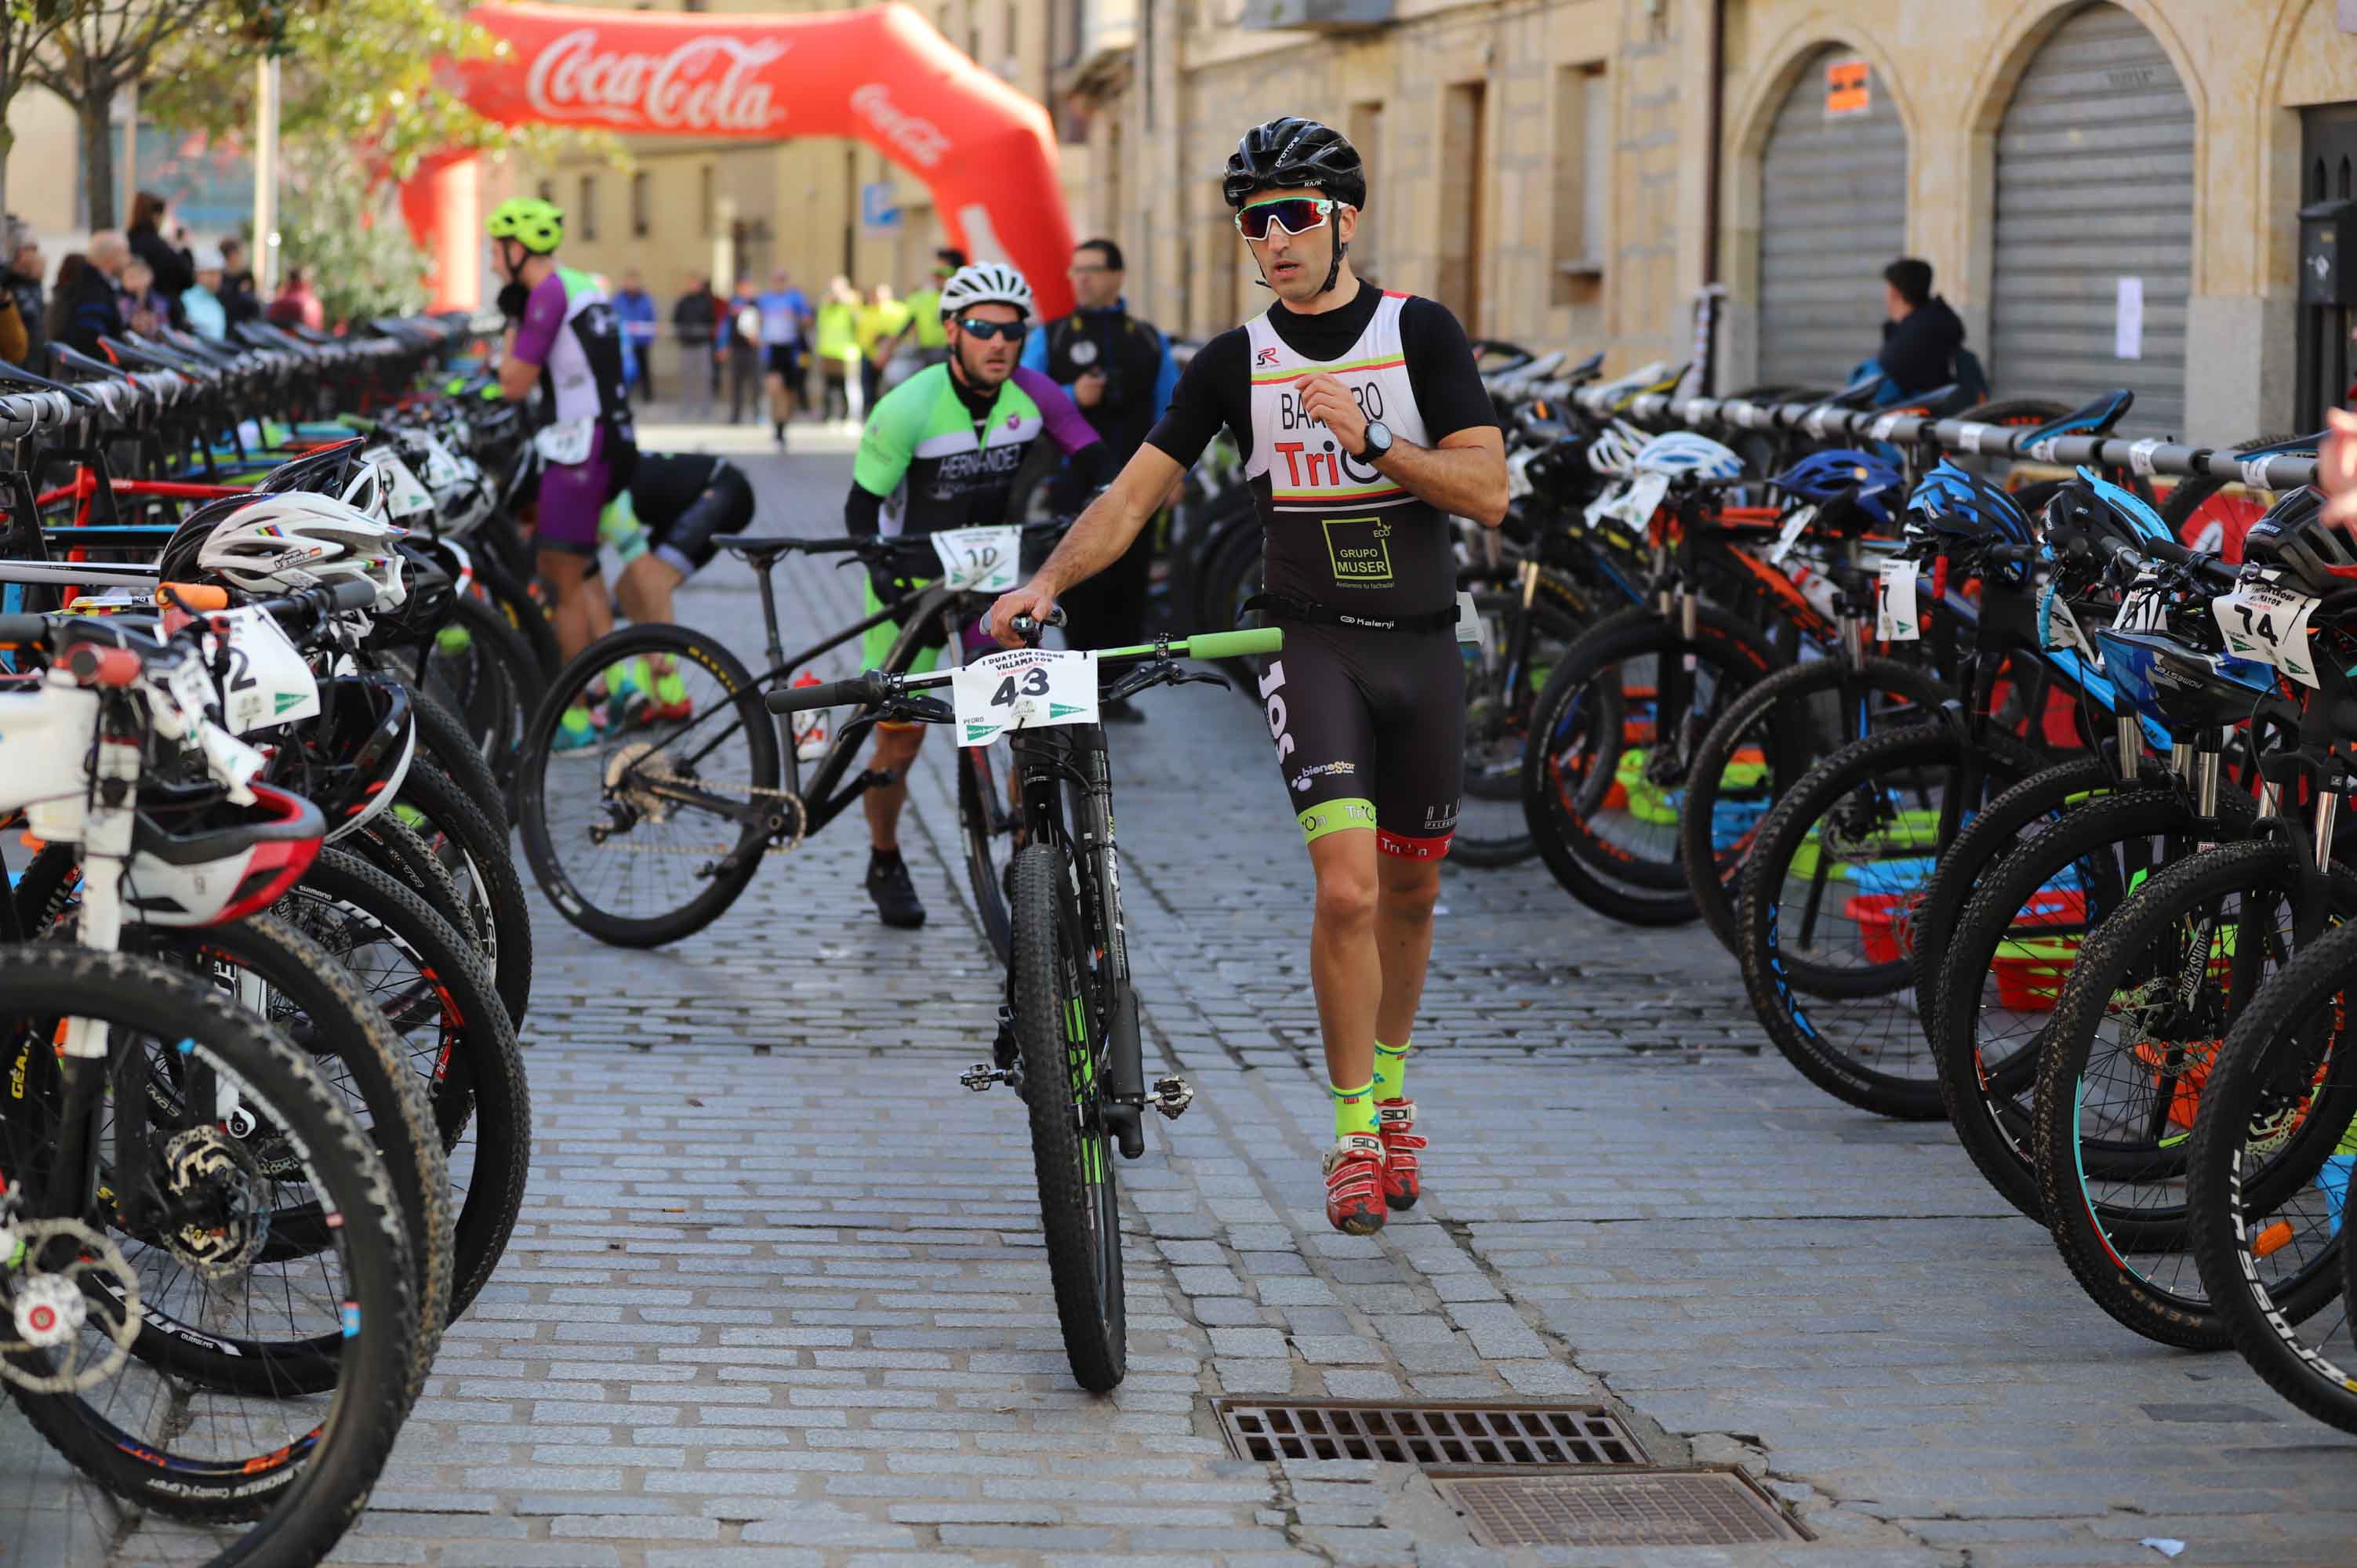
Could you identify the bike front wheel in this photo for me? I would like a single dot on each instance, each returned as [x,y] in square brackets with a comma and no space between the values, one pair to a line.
[1059,1038]
[644,819]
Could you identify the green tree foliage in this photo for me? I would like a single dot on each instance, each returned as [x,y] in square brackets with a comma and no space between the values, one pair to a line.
[359,76]
[94,50]
[348,237]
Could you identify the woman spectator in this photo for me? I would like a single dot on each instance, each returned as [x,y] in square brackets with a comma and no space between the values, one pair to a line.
[296,306]
[144,305]
[22,281]
[202,304]
[168,262]
[61,316]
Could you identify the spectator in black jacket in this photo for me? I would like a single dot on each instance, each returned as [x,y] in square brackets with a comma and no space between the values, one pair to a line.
[176,273]
[692,316]
[1920,338]
[92,311]
[23,280]
[237,297]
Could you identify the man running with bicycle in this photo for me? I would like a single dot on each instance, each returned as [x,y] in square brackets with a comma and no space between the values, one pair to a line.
[1365,424]
[941,450]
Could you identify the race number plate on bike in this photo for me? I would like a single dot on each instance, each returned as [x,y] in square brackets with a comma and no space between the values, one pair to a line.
[982,560]
[1894,604]
[403,494]
[1472,631]
[1790,534]
[2057,627]
[268,681]
[1634,504]
[1023,688]
[2142,609]
[2269,625]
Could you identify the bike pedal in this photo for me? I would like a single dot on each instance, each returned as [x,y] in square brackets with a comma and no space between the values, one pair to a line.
[981,1077]
[1172,1096]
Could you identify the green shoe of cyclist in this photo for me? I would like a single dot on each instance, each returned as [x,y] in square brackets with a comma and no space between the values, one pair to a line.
[580,727]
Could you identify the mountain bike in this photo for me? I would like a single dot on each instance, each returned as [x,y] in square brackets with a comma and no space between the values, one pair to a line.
[650,833]
[1068,1036]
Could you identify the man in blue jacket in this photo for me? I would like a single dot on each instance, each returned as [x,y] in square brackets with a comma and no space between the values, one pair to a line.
[1118,370]
[635,309]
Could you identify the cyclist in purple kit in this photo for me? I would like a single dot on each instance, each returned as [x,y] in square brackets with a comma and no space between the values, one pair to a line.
[564,342]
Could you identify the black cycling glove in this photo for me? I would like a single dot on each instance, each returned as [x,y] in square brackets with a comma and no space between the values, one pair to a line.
[512,299]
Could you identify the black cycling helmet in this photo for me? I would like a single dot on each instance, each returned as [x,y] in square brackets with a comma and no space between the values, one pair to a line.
[1290,151]
[2294,537]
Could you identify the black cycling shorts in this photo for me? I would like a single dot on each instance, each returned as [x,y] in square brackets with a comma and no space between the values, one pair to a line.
[1369,732]
[723,506]
[784,360]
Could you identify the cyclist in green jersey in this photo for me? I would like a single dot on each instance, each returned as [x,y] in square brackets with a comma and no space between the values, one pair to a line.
[1364,426]
[941,451]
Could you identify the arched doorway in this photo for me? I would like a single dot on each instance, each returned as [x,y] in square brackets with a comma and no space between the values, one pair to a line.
[2094,223]
[1833,213]
[882,75]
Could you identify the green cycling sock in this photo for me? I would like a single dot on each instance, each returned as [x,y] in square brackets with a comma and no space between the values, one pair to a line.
[1354,1110]
[1390,1071]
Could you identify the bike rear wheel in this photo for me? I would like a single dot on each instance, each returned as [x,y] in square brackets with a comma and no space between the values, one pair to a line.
[1059,1040]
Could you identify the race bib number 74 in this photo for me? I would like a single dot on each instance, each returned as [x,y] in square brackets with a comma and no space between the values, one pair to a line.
[1022,688]
[2269,625]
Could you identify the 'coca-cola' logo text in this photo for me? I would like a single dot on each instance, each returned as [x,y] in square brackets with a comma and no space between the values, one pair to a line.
[674,92]
[919,137]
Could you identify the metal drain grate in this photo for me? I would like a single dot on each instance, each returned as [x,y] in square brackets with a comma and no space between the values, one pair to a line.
[1448,1437]
[1618,1507]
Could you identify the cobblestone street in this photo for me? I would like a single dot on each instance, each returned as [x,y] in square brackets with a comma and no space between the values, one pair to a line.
[779,1299]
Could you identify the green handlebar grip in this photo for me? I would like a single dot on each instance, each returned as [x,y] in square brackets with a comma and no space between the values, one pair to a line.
[1235,644]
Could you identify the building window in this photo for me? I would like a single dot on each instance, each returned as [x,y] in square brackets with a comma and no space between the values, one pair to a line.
[705,202]
[691,5]
[1583,182]
[584,216]
[1013,44]
[548,190]
[642,204]
[1366,133]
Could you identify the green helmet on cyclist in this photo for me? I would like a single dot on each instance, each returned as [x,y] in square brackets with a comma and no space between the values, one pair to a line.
[538,226]
[1293,153]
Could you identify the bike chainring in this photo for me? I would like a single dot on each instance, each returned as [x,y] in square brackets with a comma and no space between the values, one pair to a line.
[44,1310]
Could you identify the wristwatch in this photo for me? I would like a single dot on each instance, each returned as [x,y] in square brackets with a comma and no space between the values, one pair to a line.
[1379,442]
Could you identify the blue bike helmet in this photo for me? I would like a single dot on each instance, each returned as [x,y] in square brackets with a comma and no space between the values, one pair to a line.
[1827,476]
[1950,503]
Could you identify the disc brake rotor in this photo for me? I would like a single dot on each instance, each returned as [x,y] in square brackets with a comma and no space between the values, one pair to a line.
[205,1169]
[43,1310]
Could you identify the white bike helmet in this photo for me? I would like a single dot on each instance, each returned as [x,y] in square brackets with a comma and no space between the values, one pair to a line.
[1683,452]
[985,283]
[299,540]
[1613,450]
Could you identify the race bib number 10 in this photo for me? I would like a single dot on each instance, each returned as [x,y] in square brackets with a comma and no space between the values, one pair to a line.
[982,560]
[1022,688]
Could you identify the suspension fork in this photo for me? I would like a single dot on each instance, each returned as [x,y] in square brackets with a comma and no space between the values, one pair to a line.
[1124,1103]
[1516,653]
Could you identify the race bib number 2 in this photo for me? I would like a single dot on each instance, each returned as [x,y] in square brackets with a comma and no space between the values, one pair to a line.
[269,683]
[1022,688]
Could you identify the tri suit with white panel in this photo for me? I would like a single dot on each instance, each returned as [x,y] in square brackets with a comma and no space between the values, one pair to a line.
[1367,703]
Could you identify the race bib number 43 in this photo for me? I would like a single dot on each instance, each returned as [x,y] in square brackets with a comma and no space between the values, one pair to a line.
[1023,688]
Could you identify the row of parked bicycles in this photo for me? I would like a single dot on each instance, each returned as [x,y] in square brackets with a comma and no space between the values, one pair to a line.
[2004,753]
[264,1126]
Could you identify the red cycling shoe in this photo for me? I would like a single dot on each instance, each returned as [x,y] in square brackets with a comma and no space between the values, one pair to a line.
[1354,1185]
[1402,1144]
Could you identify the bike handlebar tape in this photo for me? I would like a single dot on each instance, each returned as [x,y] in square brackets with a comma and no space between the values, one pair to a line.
[1235,644]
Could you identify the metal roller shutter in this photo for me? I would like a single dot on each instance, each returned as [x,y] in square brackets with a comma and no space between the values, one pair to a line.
[2095,183]
[1833,214]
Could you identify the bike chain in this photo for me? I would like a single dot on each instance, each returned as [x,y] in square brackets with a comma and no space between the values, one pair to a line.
[800,814]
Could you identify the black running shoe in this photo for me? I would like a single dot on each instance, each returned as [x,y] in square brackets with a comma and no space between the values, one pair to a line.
[896,897]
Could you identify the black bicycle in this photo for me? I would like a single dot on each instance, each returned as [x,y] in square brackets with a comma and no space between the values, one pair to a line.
[1068,1036]
[651,829]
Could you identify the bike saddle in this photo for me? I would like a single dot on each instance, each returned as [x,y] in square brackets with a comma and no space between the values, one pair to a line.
[1587,370]
[16,376]
[2096,418]
[75,359]
[1940,403]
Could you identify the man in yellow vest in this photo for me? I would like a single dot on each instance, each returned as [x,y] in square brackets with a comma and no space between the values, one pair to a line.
[925,311]
[881,321]
[838,348]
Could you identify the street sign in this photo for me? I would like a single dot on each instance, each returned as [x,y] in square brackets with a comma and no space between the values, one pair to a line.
[877,210]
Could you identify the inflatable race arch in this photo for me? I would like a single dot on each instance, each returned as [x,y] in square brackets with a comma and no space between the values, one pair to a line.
[882,74]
